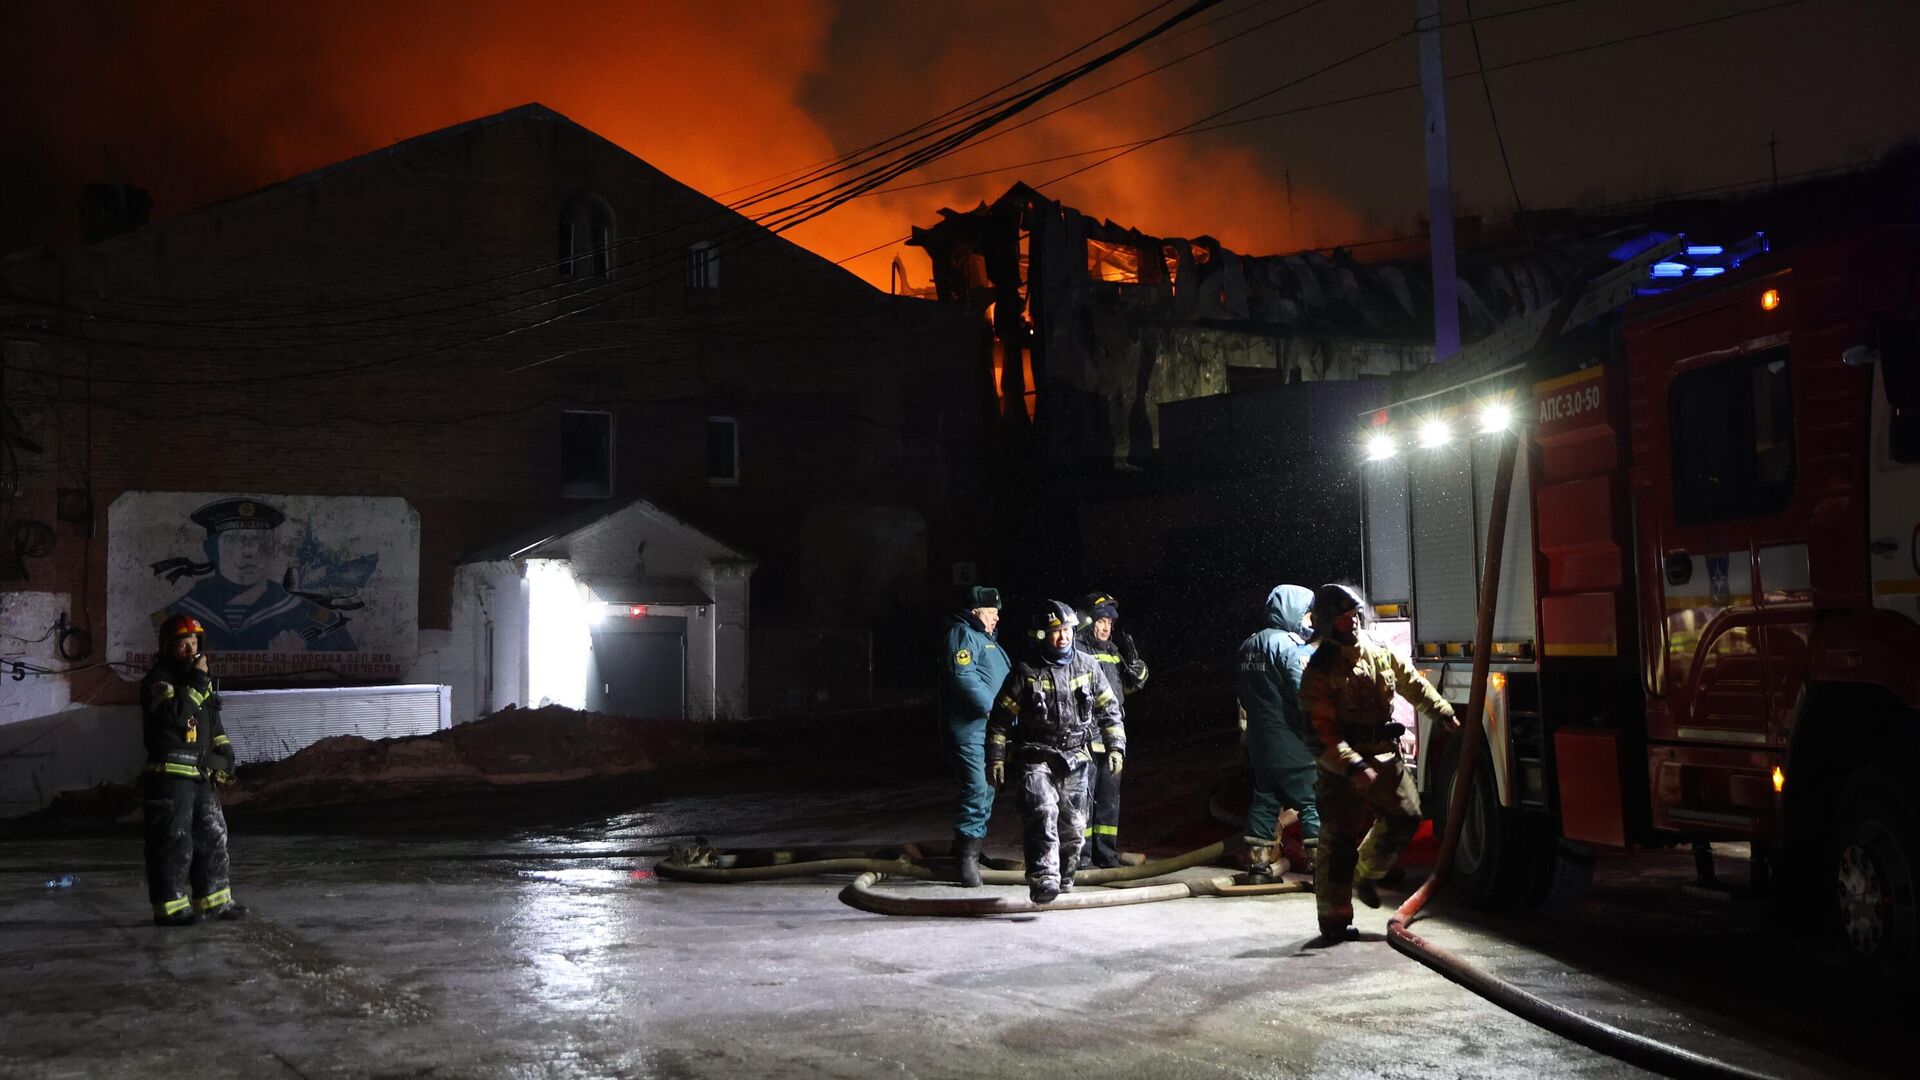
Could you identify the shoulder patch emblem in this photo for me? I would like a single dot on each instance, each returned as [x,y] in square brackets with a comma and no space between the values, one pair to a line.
[963,658]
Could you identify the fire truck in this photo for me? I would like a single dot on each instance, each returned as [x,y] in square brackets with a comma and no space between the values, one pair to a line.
[1707,625]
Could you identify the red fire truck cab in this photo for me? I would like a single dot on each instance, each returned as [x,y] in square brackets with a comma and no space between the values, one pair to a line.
[1708,626]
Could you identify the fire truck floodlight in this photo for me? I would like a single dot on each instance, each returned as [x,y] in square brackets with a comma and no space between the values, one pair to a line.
[1434,433]
[1495,418]
[1380,446]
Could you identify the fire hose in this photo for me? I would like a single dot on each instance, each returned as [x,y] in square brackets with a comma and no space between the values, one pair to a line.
[1649,1054]
[1118,886]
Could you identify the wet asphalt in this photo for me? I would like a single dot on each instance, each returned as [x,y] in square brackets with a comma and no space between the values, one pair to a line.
[424,945]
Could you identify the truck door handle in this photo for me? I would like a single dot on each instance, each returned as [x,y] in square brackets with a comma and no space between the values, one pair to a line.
[1885,547]
[1679,568]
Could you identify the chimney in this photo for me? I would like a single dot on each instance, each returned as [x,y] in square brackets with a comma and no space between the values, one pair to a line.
[109,209]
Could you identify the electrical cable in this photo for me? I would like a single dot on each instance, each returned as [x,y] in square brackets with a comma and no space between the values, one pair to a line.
[786,217]
[721,212]
[1190,129]
[1493,116]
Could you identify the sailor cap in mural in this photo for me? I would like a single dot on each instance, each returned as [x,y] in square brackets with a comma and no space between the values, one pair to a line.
[227,514]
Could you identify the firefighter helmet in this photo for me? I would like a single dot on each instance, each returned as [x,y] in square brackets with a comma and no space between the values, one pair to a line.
[181,626]
[1054,615]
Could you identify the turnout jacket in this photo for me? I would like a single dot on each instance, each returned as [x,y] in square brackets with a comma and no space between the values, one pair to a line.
[1347,694]
[1054,713]
[972,667]
[180,722]
[1120,663]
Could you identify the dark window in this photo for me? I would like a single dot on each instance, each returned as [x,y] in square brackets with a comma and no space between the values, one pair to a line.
[1732,439]
[723,450]
[1900,377]
[703,267]
[587,237]
[586,455]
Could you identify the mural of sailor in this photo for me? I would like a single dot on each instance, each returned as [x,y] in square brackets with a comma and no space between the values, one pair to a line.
[239,600]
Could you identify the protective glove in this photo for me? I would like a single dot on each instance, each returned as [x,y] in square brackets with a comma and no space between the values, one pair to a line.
[996,773]
[1243,723]
[1448,717]
[222,776]
[1114,761]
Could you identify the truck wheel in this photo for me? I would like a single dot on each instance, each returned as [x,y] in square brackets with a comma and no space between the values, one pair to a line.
[1873,866]
[1493,864]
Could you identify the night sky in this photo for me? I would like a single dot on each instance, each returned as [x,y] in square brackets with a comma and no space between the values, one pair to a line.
[198,101]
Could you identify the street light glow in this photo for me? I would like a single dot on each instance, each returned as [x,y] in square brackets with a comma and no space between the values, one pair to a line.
[1435,432]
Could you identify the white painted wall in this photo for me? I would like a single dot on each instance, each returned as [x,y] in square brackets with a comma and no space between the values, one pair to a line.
[716,675]
[484,593]
[25,617]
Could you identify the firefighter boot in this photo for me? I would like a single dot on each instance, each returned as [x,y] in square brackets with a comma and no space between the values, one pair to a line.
[1365,892]
[1260,868]
[183,917]
[1333,933]
[227,912]
[1299,855]
[966,856]
[1068,863]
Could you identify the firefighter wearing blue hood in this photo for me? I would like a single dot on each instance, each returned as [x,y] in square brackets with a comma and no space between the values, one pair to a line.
[1049,713]
[972,668]
[1272,662]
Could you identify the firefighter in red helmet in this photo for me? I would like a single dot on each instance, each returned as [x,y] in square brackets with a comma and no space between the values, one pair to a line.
[187,752]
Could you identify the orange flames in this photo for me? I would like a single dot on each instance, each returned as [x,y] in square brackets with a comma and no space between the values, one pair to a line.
[201,103]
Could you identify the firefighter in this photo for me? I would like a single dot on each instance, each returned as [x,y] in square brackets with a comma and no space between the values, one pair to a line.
[972,667]
[1046,720]
[1119,660]
[1271,664]
[1347,694]
[187,753]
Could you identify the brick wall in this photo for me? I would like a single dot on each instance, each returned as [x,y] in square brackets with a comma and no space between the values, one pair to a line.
[138,363]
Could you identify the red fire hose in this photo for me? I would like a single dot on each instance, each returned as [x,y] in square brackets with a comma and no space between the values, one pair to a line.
[1649,1054]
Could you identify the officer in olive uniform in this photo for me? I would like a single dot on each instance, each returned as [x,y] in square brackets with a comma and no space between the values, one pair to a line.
[1347,694]
[1046,719]
[972,667]
[1101,638]
[187,750]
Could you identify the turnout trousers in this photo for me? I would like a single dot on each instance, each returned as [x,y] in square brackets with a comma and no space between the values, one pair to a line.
[186,844]
[1103,815]
[966,742]
[1342,856]
[1053,816]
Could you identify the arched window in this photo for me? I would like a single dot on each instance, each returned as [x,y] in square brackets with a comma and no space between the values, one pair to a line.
[586,238]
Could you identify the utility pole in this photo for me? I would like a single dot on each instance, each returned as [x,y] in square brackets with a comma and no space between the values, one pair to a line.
[1433,95]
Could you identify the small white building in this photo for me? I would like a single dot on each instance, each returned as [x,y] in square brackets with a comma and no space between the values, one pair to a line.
[621,609]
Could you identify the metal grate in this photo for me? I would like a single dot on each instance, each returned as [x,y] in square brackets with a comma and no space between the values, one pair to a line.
[1388,579]
[1445,582]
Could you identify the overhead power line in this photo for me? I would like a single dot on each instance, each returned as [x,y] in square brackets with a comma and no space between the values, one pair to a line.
[778,220]
[785,217]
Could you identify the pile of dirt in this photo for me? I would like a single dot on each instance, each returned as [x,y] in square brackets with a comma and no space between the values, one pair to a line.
[528,748]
